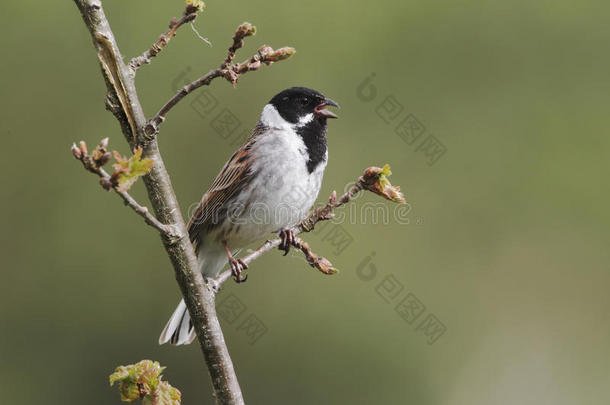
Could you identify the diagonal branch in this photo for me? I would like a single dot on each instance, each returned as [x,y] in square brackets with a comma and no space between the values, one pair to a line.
[152,128]
[244,30]
[189,15]
[374,179]
[232,72]
[93,163]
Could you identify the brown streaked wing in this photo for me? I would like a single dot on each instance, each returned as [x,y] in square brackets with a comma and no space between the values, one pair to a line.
[231,179]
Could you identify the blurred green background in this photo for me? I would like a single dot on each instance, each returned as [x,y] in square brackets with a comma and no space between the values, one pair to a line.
[507,240]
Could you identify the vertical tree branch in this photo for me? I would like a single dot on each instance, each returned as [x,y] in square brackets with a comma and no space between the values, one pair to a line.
[122,101]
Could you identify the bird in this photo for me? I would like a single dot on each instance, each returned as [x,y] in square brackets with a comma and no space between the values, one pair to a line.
[267,186]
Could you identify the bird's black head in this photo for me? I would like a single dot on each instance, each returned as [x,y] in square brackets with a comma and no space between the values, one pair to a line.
[297,103]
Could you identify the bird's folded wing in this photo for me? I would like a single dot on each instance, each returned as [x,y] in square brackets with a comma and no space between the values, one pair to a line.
[235,174]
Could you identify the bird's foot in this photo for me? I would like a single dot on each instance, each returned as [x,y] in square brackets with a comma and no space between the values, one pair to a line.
[237,267]
[287,236]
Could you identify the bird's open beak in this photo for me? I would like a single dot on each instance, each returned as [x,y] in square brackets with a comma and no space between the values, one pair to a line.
[321,110]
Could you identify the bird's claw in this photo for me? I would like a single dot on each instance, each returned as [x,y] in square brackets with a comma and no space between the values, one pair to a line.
[288,239]
[237,267]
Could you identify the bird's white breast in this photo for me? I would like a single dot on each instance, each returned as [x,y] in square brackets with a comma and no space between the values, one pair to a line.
[282,190]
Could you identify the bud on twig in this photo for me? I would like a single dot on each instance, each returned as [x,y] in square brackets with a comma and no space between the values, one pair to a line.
[76,152]
[375,179]
[83,148]
[265,50]
[100,155]
[314,260]
[244,30]
[268,55]
[194,6]
[333,197]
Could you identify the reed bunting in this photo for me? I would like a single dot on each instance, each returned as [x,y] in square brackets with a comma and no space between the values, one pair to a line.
[267,186]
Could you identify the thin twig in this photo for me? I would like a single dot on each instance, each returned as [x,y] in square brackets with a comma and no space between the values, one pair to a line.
[314,260]
[167,230]
[152,127]
[244,30]
[189,15]
[306,225]
[232,72]
[373,179]
[94,166]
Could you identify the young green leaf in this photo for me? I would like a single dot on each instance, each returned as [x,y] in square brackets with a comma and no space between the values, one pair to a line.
[196,4]
[375,179]
[143,380]
[128,170]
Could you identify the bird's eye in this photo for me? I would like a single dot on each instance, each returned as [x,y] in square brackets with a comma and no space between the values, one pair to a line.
[304,101]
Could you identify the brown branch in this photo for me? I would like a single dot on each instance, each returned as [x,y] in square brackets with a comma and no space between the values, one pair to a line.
[189,15]
[152,128]
[122,100]
[93,163]
[314,260]
[232,72]
[374,179]
[244,30]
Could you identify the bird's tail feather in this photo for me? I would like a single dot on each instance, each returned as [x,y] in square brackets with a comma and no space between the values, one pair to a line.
[179,330]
